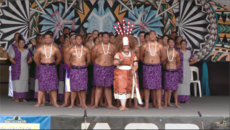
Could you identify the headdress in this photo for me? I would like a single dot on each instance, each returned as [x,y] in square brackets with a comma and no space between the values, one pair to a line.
[122,32]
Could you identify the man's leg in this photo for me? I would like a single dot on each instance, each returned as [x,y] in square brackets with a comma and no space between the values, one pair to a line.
[83,98]
[136,104]
[108,97]
[154,98]
[176,99]
[98,93]
[102,103]
[166,98]
[66,99]
[40,95]
[169,97]
[73,97]
[92,96]
[147,93]
[158,96]
[54,98]
[80,100]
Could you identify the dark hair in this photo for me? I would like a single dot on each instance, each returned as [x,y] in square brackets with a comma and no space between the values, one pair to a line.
[20,37]
[146,34]
[141,33]
[38,36]
[101,33]
[171,39]
[105,33]
[183,41]
[95,39]
[78,35]
[165,36]
[65,28]
[152,31]
[71,32]
[89,37]
[95,31]
[50,32]
[111,36]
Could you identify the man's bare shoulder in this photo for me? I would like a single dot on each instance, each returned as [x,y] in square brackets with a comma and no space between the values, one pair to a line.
[177,52]
[159,45]
[113,46]
[85,49]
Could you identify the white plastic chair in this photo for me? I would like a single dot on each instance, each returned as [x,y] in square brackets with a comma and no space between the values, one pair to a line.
[195,82]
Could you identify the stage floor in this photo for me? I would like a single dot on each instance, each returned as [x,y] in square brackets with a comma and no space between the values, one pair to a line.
[207,105]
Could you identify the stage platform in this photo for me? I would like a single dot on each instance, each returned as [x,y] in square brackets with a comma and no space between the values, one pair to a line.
[214,109]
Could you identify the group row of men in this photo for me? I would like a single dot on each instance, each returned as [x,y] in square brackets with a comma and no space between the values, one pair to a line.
[89,67]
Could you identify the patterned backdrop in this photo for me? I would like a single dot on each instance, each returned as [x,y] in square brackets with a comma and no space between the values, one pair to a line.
[204,24]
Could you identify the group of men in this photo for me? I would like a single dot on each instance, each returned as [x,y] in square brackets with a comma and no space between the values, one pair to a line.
[89,68]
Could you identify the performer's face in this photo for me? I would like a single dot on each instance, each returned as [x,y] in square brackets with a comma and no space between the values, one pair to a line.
[105,38]
[178,40]
[16,36]
[97,41]
[78,40]
[48,39]
[173,35]
[126,48]
[183,45]
[95,34]
[171,43]
[87,38]
[152,36]
[160,41]
[165,41]
[21,44]
[73,41]
[65,31]
[61,39]
[147,38]
[100,38]
[112,39]
[142,37]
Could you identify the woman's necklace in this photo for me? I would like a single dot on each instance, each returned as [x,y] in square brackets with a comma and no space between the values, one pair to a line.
[50,51]
[104,49]
[150,48]
[168,55]
[81,51]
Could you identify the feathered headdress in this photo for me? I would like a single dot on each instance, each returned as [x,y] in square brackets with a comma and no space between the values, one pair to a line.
[122,32]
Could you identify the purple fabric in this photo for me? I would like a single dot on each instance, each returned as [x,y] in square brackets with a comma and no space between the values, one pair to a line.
[152,76]
[170,80]
[16,68]
[36,72]
[35,94]
[60,97]
[61,76]
[103,75]
[67,70]
[79,78]
[183,98]
[20,95]
[180,69]
[47,79]
[29,55]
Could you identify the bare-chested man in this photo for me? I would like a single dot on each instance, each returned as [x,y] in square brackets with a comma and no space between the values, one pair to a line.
[141,38]
[103,71]
[100,37]
[146,37]
[78,58]
[152,54]
[47,57]
[170,74]
[90,44]
[65,31]
[112,39]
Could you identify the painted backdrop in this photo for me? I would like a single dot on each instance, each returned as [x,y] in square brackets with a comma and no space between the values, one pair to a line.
[204,24]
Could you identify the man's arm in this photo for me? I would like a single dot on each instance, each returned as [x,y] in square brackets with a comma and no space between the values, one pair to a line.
[177,60]
[93,54]
[88,57]
[163,54]
[58,55]
[37,56]
[68,57]
[137,53]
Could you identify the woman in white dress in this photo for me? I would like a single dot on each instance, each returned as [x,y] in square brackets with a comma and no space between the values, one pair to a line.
[188,59]
[20,58]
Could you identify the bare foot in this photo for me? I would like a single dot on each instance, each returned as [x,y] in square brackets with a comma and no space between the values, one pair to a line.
[118,105]
[164,106]
[160,107]
[146,107]
[64,105]
[186,102]
[154,105]
[138,107]
[170,105]
[85,106]
[121,108]
[37,105]
[95,106]
[112,107]
[43,104]
[24,100]
[56,105]
[125,108]
[102,104]
[13,98]
[16,100]
[71,106]
[177,106]
[130,105]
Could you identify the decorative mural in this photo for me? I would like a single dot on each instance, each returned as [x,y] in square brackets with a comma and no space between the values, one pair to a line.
[203,23]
